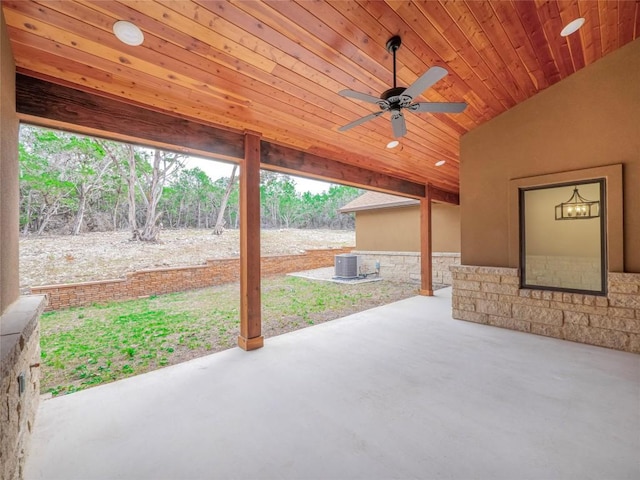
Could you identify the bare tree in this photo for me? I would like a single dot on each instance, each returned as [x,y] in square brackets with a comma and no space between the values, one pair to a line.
[165,165]
[87,185]
[115,154]
[218,229]
[49,208]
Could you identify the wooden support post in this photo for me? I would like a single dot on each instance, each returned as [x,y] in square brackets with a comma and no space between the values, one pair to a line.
[426,272]
[250,337]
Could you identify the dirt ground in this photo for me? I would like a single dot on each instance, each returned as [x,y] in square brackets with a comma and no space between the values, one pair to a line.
[54,259]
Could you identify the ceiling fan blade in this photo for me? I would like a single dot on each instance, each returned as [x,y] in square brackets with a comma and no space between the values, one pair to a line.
[438,107]
[360,96]
[427,79]
[360,121]
[398,124]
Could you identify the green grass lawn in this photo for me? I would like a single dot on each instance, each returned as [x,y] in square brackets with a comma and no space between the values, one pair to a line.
[87,346]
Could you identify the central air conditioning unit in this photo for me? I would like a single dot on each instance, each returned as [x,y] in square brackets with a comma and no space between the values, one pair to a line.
[346,265]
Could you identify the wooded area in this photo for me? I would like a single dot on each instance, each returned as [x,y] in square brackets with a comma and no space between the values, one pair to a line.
[71,183]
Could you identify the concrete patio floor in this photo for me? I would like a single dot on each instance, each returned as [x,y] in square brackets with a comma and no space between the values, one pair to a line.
[400,391]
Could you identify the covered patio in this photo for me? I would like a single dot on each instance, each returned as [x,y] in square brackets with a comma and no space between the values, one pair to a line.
[400,391]
[300,87]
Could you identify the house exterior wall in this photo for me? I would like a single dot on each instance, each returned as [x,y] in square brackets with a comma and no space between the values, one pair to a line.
[405,266]
[398,229]
[9,187]
[589,122]
[388,229]
[19,329]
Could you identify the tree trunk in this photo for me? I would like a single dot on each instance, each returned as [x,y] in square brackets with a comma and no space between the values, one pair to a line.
[46,214]
[131,187]
[25,229]
[180,212]
[150,231]
[115,213]
[82,203]
[218,229]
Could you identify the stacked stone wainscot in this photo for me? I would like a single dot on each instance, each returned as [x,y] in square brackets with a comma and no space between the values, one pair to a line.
[19,362]
[405,266]
[492,295]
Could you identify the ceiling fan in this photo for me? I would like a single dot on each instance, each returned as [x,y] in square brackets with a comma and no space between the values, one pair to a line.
[396,99]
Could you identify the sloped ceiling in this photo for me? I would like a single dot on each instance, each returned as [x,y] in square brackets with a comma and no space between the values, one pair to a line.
[276,67]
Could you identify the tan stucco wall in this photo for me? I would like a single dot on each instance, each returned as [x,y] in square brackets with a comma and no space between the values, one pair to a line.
[398,229]
[588,120]
[445,226]
[9,193]
[388,229]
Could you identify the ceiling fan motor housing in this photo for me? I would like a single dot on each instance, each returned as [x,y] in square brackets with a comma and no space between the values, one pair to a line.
[393,96]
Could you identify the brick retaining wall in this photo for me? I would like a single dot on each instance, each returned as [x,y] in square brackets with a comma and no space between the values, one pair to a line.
[492,296]
[178,279]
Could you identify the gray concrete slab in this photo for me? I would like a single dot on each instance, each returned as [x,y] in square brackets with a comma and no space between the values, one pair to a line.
[400,391]
[327,274]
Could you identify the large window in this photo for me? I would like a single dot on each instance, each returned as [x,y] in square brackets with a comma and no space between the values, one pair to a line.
[562,235]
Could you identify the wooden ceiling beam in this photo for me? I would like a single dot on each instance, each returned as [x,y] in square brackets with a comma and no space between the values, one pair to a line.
[444,196]
[40,102]
[52,105]
[289,160]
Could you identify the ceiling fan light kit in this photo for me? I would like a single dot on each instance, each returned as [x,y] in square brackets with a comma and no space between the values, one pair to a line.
[396,99]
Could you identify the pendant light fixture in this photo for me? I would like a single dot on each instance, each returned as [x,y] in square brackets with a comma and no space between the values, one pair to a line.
[577,208]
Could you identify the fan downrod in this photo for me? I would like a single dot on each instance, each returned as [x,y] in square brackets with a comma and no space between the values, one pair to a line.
[393,44]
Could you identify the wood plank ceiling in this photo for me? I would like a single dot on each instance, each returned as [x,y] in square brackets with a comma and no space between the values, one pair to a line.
[276,67]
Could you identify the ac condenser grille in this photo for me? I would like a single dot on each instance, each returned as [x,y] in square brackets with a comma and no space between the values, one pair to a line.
[346,265]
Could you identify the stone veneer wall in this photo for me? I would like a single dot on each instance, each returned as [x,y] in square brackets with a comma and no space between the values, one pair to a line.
[580,273]
[19,355]
[492,296]
[405,266]
[178,279]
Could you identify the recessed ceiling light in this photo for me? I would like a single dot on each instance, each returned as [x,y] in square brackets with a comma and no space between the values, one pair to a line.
[393,144]
[572,27]
[439,163]
[128,33]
